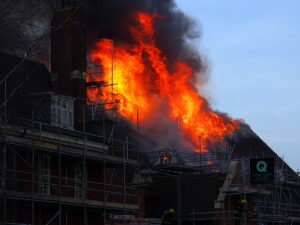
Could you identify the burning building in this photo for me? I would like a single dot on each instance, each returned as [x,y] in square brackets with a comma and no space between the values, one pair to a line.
[53,169]
[118,130]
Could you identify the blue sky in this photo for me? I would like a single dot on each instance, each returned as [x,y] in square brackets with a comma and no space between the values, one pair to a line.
[253,51]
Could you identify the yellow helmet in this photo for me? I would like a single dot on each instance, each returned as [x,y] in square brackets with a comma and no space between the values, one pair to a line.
[171,211]
[244,201]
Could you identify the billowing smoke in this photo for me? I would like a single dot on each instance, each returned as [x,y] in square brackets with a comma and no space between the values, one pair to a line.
[111,18]
[22,24]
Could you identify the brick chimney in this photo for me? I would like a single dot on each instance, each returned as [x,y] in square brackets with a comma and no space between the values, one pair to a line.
[69,57]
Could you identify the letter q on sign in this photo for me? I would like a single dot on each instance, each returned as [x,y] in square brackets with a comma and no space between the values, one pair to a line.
[261,166]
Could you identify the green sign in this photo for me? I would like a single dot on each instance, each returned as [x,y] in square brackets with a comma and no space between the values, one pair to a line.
[262,170]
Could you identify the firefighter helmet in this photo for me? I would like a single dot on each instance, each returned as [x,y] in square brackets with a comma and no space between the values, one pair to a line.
[244,201]
[171,211]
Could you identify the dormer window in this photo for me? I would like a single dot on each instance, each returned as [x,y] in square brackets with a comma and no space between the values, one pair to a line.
[62,111]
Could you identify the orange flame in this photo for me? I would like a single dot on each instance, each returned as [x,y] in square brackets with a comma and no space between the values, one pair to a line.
[210,162]
[144,81]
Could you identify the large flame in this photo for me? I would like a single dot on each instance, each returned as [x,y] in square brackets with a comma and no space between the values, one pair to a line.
[143,81]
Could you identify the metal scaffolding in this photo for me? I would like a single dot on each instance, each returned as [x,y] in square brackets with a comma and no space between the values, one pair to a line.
[276,203]
[61,184]
[36,159]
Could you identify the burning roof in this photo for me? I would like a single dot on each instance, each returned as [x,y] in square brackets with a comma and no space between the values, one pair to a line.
[162,89]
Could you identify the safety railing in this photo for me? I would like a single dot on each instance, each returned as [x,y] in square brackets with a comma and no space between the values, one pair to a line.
[19,181]
[112,146]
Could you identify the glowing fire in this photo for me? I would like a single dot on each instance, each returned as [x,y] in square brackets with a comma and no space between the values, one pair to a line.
[144,82]
[210,162]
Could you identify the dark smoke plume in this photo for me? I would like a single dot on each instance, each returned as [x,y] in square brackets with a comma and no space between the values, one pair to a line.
[110,18]
[22,24]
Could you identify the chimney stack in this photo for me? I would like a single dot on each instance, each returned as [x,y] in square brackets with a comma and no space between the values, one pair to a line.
[69,56]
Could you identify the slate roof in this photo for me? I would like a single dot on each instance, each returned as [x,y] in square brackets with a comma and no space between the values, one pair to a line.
[36,74]
[252,146]
[29,77]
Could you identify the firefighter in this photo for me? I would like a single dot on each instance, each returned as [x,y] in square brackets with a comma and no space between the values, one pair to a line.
[167,217]
[242,208]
